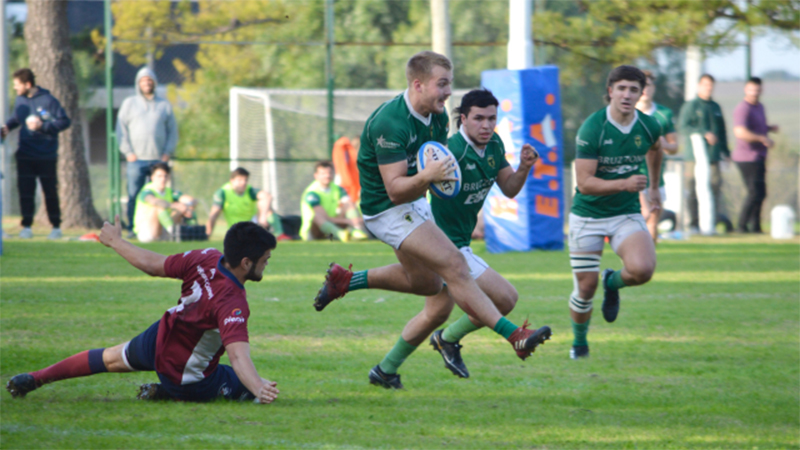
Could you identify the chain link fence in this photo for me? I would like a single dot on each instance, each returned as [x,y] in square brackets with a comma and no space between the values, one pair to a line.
[190,77]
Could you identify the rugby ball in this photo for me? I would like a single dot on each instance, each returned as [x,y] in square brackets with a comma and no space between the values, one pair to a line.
[444,189]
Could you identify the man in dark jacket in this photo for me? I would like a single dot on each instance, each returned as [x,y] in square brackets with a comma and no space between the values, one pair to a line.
[40,118]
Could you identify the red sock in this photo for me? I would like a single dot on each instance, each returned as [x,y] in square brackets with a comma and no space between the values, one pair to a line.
[84,363]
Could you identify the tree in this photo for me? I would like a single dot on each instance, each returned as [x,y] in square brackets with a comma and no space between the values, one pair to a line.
[50,56]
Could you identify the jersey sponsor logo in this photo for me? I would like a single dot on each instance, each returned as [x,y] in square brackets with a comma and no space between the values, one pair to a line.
[477,197]
[581,142]
[470,167]
[236,312]
[383,143]
[621,170]
[233,320]
[637,140]
[617,160]
[608,142]
[477,185]
[213,272]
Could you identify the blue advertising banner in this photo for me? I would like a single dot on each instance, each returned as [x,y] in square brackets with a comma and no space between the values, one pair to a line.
[529,113]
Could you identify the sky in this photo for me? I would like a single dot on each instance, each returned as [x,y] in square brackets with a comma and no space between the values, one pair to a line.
[769,52]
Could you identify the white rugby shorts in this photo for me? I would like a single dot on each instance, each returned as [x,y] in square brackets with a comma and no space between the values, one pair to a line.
[476,264]
[395,224]
[588,235]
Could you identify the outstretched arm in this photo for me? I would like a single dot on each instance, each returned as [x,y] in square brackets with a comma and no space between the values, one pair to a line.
[239,354]
[151,263]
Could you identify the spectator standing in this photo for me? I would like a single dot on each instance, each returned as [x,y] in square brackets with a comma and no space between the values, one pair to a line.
[703,127]
[41,118]
[750,153]
[147,134]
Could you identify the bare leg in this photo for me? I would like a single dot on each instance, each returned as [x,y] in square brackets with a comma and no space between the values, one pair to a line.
[435,313]
[429,245]
[500,292]
[638,255]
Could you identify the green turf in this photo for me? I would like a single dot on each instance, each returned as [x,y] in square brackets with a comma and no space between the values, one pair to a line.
[704,356]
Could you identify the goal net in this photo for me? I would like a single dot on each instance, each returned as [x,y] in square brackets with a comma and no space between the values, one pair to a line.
[278,135]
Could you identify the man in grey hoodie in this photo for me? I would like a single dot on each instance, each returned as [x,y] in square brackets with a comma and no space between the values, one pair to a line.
[147,133]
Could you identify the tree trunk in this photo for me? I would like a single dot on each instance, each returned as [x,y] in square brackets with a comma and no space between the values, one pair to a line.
[50,55]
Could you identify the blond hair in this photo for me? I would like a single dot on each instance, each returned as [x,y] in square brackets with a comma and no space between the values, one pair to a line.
[420,66]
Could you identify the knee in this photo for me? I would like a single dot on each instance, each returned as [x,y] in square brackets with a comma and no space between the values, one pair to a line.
[587,288]
[507,301]
[642,273]
[458,270]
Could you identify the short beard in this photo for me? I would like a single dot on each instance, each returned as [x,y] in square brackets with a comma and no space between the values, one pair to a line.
[251,274]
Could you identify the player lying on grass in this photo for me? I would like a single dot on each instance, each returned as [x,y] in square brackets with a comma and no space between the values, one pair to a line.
[396,212]
[184,346]
[481,156]
[613,145]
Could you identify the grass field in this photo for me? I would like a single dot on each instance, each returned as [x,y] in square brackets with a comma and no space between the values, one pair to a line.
[705,356]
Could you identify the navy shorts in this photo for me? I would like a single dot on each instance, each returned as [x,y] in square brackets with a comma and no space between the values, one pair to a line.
[140,354]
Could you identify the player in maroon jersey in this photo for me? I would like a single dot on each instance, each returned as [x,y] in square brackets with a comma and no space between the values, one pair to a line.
[184,346]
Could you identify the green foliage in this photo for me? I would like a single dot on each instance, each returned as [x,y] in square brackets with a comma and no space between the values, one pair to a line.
[703,356]
[585,39]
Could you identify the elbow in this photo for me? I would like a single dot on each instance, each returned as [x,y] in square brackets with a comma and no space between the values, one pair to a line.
[396,199]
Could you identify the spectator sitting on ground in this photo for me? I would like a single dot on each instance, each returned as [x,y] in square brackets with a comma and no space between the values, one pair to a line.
[327,210]
[159,209]
[237,201]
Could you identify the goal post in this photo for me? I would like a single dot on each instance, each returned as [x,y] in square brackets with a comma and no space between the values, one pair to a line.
[279,134]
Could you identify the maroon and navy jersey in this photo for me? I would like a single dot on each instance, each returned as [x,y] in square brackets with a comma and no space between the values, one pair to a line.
[211,313]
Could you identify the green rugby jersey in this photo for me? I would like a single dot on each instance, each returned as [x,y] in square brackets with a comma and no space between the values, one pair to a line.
[663,116]
[620,152]
[393,133]
[457,217]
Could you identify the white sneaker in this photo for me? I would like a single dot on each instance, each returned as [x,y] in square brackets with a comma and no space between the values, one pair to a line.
[55,234]
[26,233]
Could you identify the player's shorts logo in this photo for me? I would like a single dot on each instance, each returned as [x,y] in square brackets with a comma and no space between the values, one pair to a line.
[236,312]
[408,218]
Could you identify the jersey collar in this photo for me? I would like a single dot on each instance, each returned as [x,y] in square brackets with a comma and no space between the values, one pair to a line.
[425,120]
[463,133]
[652,110]
[228,273]
[626,129]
